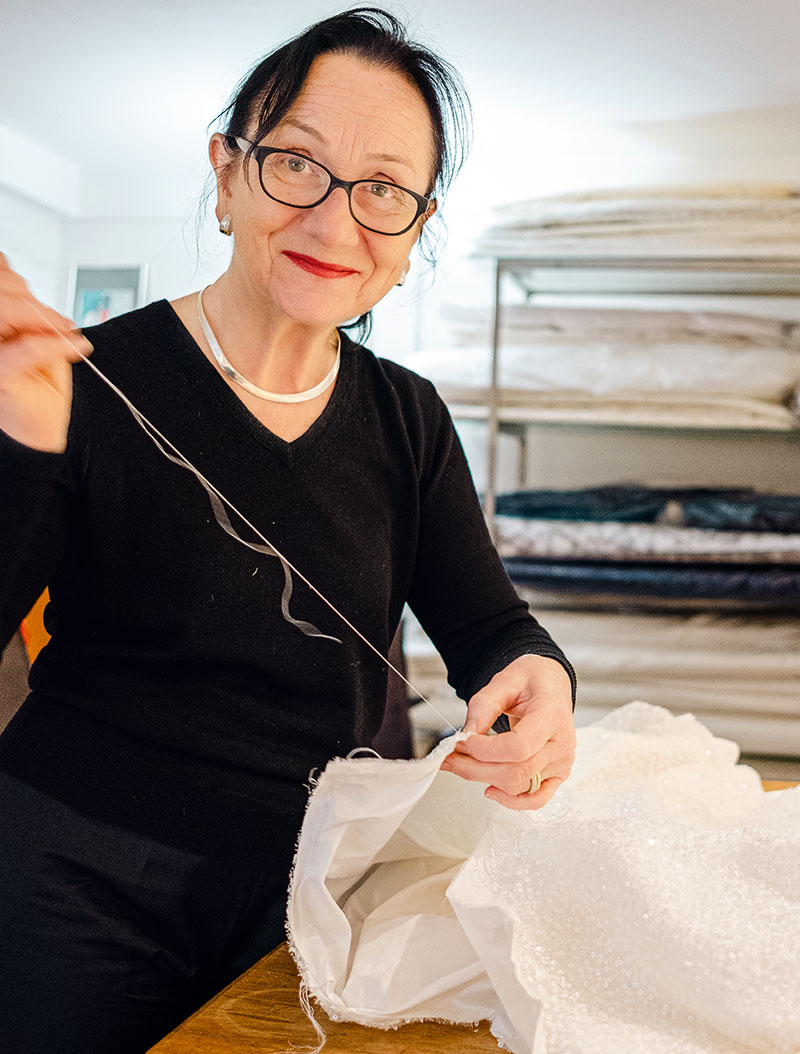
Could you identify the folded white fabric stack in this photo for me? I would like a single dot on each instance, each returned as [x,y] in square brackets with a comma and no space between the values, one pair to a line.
[713,369]
[739,673]
[632,409]
[568,327]
[653,905]
[748,219]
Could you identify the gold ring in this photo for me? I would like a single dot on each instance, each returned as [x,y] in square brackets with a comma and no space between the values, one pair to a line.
[536,783]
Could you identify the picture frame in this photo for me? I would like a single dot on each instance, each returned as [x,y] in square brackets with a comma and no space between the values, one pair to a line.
[96,294]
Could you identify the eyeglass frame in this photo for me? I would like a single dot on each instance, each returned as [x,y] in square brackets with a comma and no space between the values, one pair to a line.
[261,152]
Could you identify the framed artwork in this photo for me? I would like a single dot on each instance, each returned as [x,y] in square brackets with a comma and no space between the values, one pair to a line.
[99,293]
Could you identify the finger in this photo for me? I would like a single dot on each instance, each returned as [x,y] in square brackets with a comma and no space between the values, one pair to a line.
[15,295]
[512,777]
[494,699]
[538,713]
[526,739]
[24,314]
[35,349]
[30,353]
[5,266]
[525,802]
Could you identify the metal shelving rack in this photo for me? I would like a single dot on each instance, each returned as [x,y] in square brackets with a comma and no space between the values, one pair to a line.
[754,276]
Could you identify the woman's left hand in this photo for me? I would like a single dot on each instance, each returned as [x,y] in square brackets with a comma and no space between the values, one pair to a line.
[536,695]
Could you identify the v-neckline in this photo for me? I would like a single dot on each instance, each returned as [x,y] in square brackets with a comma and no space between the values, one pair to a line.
[203,372]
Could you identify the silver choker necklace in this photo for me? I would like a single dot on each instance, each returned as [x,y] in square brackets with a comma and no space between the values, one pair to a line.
[262,393]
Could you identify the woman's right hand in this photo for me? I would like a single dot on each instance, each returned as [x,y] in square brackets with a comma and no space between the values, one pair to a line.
[37,348]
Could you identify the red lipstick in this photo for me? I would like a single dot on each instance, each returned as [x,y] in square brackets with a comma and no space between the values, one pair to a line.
[318,267]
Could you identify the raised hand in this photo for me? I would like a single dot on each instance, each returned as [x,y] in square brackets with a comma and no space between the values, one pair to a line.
[37,348]
[536,694]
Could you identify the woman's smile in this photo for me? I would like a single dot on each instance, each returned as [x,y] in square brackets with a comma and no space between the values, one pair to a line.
[318,267]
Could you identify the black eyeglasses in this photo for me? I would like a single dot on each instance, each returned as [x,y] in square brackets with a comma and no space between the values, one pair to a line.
[294,179]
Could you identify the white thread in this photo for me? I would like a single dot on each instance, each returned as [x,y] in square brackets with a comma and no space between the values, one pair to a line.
[305,1003]
[152,432]
[223,520]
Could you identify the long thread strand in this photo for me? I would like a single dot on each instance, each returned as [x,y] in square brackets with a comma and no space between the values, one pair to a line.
[148,427]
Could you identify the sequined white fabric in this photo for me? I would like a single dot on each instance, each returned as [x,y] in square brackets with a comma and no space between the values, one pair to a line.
[653,907]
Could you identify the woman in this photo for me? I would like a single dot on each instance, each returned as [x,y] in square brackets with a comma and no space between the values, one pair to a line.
[154,779]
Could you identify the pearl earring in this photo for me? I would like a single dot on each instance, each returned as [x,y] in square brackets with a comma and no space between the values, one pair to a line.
[225,224]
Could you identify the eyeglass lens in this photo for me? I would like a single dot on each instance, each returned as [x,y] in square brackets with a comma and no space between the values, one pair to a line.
[295,180]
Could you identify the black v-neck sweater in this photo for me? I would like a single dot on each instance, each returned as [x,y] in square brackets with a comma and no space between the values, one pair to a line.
[174,698]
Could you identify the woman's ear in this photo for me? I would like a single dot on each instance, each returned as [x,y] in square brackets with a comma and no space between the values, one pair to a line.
[218,152]
[432,207]
[220,158]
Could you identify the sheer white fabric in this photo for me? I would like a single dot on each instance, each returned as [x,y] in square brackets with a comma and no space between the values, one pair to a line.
[759,219]
[653,905]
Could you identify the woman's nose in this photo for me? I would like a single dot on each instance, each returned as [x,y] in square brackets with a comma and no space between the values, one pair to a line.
[331,222]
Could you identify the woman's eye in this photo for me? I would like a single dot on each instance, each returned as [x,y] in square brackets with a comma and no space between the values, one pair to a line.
[380,190]
[296,164]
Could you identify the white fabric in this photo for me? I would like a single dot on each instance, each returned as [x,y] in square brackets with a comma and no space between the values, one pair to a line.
[650,196]
[740,648]
[752,200]
[534,323]
[601,379]
[739,674]
[645,409]
[653,905]
[694,239]
[604,365]
[757,220]
[611,540]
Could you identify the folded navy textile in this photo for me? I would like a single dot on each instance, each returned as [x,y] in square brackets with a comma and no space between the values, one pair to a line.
[779,585]
[627,504]
[712,507]
[747,512]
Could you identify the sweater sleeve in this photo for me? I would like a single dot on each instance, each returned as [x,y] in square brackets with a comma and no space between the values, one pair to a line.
[460,591]
[34,499]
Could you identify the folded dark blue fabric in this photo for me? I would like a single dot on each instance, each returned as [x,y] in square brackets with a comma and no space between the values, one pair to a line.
[753,512]
[711,507]
[779,585]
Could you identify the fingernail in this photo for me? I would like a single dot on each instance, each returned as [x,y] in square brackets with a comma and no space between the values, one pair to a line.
[470,726]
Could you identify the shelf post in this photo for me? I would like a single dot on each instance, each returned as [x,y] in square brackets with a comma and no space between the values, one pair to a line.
[490,489]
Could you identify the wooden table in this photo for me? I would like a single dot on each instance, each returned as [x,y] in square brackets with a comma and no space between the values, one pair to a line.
[261,1012]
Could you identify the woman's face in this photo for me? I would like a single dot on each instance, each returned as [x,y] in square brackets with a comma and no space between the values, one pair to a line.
[362,122]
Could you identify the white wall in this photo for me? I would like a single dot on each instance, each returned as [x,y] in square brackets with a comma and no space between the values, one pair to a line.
[31,237]
[39,173]
[178,259]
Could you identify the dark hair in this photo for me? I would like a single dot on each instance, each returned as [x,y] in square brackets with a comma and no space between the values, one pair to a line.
[270,89]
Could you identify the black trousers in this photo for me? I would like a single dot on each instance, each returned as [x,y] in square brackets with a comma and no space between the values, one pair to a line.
[109,939]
